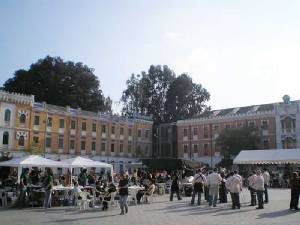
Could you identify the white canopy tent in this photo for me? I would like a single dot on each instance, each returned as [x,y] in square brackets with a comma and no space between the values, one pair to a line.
[270,156]
[85,162]
[30,161]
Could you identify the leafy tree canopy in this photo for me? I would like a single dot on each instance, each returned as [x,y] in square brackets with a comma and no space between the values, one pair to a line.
[161,94]
[232,141]
[60,82]
[185,99]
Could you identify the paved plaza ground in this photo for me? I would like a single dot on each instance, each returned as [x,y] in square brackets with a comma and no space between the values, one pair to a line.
[163,212]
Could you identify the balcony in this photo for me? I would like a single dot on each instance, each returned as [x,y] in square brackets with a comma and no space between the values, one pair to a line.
[73,132]
[60,151]
[129,138]
[103,135]
[48,150]
[185,138]
[93,152]
[61,130]
[83,133]
[121,137]
[112,136]
[94,134]
[4,147]
[186,155]
[49,129]
[288,130]
[195,137]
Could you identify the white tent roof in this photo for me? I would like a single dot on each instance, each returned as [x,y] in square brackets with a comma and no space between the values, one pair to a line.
[84,162]
[31,161]
[270,156]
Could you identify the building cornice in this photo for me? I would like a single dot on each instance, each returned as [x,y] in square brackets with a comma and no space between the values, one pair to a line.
[226,118]
[16,98]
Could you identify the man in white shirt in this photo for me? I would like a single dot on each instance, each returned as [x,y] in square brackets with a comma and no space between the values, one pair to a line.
[259,187]
[234,185]
[266,176]
[251,180]
[198,184]
[213,181]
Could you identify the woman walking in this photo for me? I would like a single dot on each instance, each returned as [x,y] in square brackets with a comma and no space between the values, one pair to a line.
[295,188]
[123,192]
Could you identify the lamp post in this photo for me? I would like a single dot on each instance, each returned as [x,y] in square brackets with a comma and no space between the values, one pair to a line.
[45,134]
[211,147]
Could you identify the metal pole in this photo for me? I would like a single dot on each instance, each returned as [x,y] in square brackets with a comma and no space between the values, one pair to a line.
[190,144]
[211,143]
[45,137]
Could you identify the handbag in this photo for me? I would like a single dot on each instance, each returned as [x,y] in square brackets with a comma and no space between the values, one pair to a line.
[198,187]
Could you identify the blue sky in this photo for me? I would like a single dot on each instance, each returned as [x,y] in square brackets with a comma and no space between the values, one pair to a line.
[243,52]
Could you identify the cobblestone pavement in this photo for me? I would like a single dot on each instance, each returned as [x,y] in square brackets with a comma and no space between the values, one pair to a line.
[163,212]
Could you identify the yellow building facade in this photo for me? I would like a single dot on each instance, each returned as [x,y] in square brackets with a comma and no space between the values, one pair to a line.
[29,127]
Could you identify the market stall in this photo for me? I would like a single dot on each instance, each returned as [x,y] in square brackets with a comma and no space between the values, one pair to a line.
[79,162]
[279,162]
[30,161]
[35,192]
[270,156]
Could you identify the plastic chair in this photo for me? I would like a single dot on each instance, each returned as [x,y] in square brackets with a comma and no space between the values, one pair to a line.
[168,188]
[132,196]
[148,197]
[112,201]
[161,188]
[82,201]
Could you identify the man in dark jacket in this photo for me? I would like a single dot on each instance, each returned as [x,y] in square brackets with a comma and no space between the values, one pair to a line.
[175,188]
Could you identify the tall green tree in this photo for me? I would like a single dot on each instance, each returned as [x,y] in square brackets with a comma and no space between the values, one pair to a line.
[185,99]
[146,92]
[232,141]
[60,82]
[160,93]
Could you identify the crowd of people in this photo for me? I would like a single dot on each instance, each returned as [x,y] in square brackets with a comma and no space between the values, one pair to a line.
[214,186]
[101,185]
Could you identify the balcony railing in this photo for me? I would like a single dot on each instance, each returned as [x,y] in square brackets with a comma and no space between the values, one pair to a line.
[288,130]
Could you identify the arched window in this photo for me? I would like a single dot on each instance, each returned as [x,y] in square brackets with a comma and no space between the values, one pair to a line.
[5,138]
[7,115]
[21,140]
[22,118]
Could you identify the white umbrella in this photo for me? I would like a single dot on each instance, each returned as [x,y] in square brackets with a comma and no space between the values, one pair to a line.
[30,161]
[84,162]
